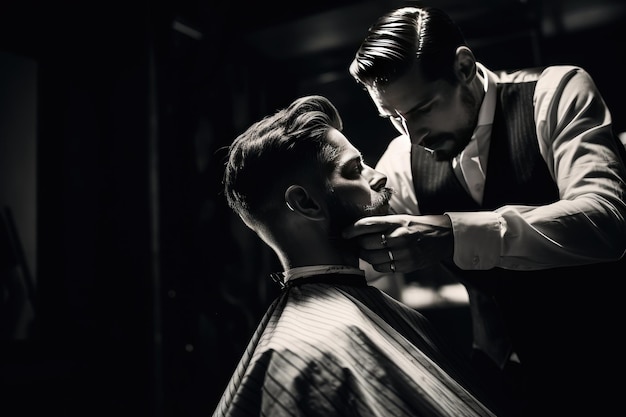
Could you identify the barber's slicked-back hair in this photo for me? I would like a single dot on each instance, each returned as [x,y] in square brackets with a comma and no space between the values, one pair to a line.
[404,37]
[275,152]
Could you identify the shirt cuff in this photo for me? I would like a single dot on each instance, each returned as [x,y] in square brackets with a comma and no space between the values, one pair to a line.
[477,237]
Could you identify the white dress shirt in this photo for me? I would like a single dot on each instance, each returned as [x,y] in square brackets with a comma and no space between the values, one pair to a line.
[470,166]
[587,224]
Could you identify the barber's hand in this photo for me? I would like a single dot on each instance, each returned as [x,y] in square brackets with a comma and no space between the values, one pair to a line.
[402,242]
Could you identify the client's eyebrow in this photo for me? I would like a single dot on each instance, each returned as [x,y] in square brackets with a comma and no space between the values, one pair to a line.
[354,159]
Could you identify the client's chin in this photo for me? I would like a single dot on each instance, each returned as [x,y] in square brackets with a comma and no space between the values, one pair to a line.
[382,210]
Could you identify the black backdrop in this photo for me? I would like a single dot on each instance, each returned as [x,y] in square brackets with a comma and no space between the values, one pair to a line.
[147,287]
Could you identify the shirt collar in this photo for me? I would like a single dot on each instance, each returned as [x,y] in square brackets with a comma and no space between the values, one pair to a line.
[488,106]
[305,271]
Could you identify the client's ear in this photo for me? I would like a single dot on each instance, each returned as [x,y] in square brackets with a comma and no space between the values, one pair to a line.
[298,200]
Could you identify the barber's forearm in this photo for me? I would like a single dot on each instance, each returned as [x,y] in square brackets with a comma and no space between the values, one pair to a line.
[530,238]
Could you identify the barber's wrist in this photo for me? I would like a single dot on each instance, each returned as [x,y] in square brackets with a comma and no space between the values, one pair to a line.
[476,239]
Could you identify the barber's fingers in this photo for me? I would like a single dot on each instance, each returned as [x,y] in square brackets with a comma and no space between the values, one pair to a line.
[373,225]
[374,241]
[382,260]
[378,256]
[399,260]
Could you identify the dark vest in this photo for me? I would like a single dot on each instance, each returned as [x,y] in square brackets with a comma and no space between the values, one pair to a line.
[559,320]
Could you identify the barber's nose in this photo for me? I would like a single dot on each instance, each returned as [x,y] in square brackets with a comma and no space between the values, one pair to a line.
[376,179]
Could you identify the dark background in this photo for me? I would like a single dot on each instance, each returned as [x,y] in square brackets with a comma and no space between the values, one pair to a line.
[135,287]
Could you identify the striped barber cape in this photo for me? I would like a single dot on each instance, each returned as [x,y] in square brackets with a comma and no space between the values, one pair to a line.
[327,349]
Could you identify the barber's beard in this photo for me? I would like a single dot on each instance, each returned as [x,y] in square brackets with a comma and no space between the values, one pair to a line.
[345,213]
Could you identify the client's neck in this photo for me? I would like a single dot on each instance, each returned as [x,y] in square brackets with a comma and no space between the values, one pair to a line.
[313,255]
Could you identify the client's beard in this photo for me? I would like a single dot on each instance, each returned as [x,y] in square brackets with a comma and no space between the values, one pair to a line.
[344,213]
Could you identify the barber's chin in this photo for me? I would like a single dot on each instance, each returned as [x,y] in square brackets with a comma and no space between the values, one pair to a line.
[443,150]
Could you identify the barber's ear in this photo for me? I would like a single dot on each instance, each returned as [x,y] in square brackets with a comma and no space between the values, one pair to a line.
[465,64]
[298,200]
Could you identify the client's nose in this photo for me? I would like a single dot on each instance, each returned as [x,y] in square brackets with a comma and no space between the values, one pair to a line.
[376,179]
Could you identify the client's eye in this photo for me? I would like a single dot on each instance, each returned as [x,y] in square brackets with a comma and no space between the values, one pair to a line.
[353,169]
